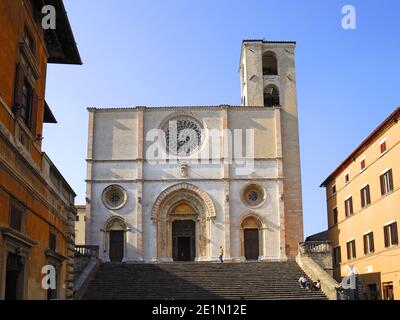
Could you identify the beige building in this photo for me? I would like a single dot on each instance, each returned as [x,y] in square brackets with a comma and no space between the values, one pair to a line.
[363,203]
[80,225]
[190,201]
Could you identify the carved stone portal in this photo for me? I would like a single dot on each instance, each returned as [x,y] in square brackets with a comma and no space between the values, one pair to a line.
[183,202]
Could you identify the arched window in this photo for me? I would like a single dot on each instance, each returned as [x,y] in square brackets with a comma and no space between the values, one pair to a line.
[271,96]
[270,64]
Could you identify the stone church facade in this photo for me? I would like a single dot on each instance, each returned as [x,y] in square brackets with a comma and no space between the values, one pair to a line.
[157,191]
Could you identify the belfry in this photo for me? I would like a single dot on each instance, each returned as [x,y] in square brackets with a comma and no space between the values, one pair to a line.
[141,210]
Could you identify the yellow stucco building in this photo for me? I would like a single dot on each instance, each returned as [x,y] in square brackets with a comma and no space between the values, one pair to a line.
[363,203]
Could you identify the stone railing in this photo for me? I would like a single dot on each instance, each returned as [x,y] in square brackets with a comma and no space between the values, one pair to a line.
[315,258]
[320,252]
[86,263]
[315,247]
[87,251]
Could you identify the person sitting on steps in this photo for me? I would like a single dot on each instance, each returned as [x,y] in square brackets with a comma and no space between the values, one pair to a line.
[317,285]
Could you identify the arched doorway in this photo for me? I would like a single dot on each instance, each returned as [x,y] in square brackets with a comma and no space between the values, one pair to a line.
[183,240]
[115,239]
[251,236]
[183,214]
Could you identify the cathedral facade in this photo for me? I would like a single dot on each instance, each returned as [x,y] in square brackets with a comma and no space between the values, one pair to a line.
[180,183]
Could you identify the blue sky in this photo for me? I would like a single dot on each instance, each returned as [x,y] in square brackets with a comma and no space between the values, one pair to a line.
[179,52]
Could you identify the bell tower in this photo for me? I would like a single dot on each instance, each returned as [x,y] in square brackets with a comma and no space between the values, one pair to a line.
[268,80]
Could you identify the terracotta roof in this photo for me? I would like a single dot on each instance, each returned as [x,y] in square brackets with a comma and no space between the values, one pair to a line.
[394,116]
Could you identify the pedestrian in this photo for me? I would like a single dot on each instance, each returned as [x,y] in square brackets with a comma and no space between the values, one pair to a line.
[317,285]
[302,282]
[221,254]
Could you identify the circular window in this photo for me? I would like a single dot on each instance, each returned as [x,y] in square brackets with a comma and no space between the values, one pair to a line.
[183,136]
[253,195]
[114,197]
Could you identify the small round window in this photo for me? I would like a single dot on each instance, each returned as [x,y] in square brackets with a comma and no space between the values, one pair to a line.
[114,197]
[253,195]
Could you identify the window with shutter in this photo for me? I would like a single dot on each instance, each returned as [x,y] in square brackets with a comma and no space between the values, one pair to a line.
[363,164]
[372,243]
[19,83]
[362,198]
[337,258]
[34,113]
[52,241]
[386,181]
[382,182]
[365,196]
[351,250]
[369,243]
[348,204]
[335,215]
[383,146]
[16,217]
[393,234]
[365,244]
[386,235]
[348,251]
[390,180]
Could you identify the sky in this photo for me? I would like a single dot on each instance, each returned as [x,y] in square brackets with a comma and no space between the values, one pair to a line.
[180,52]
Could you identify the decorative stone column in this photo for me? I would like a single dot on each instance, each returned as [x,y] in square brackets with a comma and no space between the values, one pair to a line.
[281,203]
[226,178]
[139,184]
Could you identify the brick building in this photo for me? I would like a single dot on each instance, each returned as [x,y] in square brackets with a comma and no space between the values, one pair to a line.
[36,203]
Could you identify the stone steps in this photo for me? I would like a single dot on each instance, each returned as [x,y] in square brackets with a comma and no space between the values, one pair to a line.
[253,280]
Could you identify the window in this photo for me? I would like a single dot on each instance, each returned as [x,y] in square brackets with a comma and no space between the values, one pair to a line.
[183,135]
[16,217]
[53,241]
[25,99]
[388,292]
[386,180]
[348,206]
[271,96]
[383,146]
[337,256]
[253,195]
[369,246]
[334,189]
[363,164]
[347,178]
[365,197]
[270,64]
[77,218]
[351,250]
[335,215]
[114,197]
[26,102]
[28,40]
[391,236]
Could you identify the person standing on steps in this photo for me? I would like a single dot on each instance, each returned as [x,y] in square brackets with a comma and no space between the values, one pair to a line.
[221,254]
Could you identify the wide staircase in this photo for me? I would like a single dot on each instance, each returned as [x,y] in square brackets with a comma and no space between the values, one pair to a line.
[188,280]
